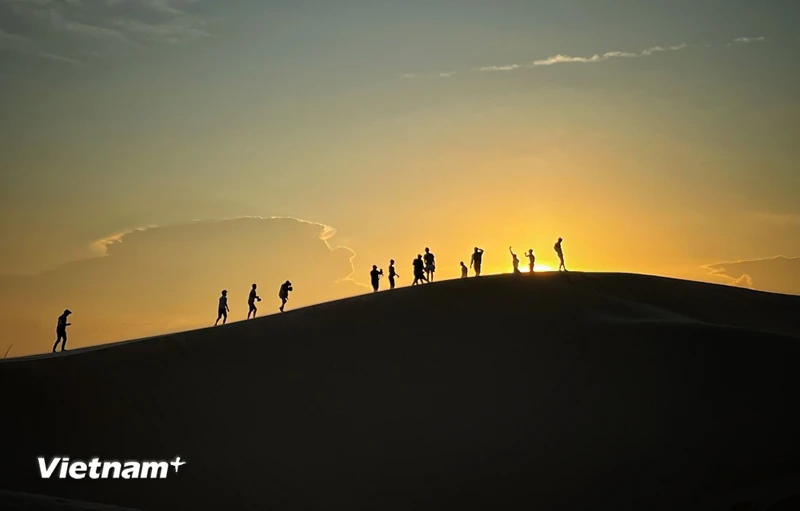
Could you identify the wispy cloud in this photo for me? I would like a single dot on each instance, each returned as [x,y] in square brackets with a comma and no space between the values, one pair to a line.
[446,74]
[509,67]
[27,46]
[779,274]
[84,27]
[747,40]
[566,59]
[178,31]
[590,59]
[8,39]
[59,58]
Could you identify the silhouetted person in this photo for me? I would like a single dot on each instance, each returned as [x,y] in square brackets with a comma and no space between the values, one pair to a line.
[464,270]
[375,277]
[531,259]
[222,310]
[560,252]
[419,271]
[430,264]
[283,294]
[514,260]
[251,302]
[61,330]
[477,258]
[392,274]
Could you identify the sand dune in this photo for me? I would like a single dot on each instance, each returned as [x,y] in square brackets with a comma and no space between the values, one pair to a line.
[10,501]
[556,391]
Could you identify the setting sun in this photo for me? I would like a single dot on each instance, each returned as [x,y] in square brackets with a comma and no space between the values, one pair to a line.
[536,269]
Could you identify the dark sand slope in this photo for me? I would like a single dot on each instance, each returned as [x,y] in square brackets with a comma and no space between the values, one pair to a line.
[10,501]
[552,391]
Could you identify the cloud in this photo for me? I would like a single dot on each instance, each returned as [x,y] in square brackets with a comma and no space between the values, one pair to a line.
[179,31]
[59,58]
[95,27]
[154,279]
[510,67]
[747,40]
[594,58]
[8,39]
[566,59]
[447,74]
[779,274]
[26,46]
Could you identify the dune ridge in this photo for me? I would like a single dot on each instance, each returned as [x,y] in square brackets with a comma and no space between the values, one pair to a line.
[562,390]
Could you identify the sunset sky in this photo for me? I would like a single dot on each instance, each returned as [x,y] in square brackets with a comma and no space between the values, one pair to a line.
[654,137]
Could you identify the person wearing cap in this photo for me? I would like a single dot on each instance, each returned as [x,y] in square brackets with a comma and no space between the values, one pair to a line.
[61,330]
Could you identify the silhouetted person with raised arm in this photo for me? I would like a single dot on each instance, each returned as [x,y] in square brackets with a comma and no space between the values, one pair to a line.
[251,302]
[61,330]
[514,260]
[464,270]
[430,264]
[222,309]
[283,294]
[419,271]
[475,262]
[392,274]
[531,259]
[375,277]
[560,252]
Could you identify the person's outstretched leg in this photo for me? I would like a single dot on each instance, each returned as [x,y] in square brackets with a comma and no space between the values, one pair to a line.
[58,340]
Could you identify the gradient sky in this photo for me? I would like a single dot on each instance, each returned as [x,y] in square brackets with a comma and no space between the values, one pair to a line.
[655,137]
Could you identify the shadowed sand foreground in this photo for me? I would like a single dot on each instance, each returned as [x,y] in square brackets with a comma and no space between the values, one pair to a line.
[553,391]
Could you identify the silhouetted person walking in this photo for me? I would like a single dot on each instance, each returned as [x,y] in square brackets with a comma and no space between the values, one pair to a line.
[560,252]
[283,294]
[392,274]
[430,264]
[222,309]
[531,259]
[251,302]
[514,260]
[375,277]
[61,330]
[464,270]
[419,271]
[475,262]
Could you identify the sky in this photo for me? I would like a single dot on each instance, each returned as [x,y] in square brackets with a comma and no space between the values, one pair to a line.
[154,152]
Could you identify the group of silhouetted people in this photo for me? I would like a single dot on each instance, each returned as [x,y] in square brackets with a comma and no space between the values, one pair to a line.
[252,298]
[424,270]
[424,266]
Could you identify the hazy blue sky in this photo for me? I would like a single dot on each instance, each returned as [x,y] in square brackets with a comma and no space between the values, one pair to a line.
[656,136]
